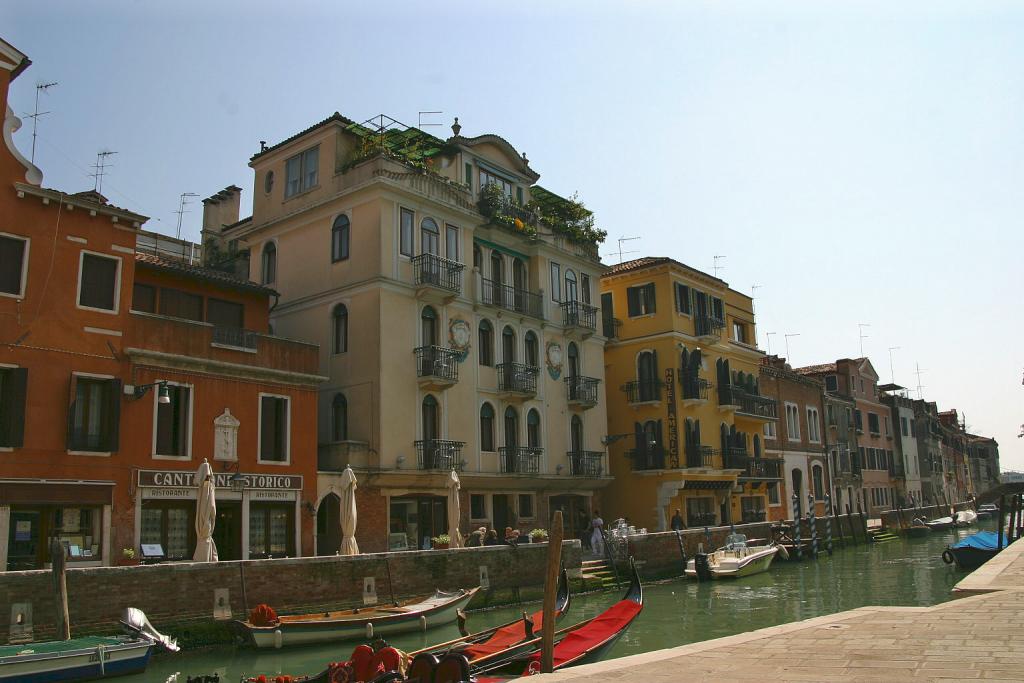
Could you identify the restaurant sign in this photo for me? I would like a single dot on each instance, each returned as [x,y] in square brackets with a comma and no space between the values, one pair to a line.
[184,478]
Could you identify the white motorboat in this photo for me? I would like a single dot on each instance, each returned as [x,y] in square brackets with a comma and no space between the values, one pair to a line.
[736,558]
[965,518]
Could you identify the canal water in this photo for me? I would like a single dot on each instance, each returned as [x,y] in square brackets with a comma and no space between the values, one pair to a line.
[902,572]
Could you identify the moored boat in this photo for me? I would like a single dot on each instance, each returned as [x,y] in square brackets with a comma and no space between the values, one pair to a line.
[265,629]
[917,528]
[974,550]
[940,523]
[735,559]
[987,510]
[965,518]
[86,658]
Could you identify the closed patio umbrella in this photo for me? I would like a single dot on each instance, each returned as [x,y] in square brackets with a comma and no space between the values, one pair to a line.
[206,514]
[348,513]
[455,538]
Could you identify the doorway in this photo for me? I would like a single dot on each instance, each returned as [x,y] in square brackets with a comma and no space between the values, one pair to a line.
[24,550]
[227,532]
[502,513]
[328,525]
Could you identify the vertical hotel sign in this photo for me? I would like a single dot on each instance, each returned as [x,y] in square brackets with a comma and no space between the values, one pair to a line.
[673,429]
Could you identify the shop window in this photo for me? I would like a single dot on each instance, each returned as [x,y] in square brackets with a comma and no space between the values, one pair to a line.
[98,282]
[271,530]
[13,264]
[13,389]
[143,298]
[526,506]
[173,426]
[225,313]
[178,304]
[301,172]
[340,232]
[171,526]
[477,506]
[273,428]
[94,414]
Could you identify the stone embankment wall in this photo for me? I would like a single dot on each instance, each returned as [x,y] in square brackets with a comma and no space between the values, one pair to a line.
[179,594]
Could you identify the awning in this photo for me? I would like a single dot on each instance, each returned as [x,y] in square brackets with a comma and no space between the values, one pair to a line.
[708,484]
[502,248]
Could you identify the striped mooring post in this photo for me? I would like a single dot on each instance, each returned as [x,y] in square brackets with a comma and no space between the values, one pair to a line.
[796,527]
[707,536]
[811,522]
[828,524]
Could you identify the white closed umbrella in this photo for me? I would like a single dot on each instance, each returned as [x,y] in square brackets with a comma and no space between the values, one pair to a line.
[455,538]
[348,513]
[206,514]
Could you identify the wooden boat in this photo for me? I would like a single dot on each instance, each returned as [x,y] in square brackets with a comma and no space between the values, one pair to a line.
[987,510]
[917,528]
[940,524]
[86,658]
[735,559]
[965,518]
[265,629]
[973,551]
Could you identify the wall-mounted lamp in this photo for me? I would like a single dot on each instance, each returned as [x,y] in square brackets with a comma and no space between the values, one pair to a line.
[309,508]
[609,439]
[236,481]
[163,392]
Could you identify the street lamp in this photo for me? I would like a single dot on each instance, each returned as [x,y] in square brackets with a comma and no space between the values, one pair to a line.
[163,392]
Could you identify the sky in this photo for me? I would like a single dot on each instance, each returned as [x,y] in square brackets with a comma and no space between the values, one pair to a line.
[860,163]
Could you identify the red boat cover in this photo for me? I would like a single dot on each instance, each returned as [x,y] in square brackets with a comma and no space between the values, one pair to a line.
[586,638]
[504,637]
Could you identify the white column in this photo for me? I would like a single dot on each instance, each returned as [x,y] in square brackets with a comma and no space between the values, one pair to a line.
[245,524]
[5,530]
[107,530]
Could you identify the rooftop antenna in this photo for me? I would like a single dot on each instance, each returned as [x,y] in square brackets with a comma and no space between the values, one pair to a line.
[919,385]
[769,336]
[860,330]
[753,295]
[419,119]
[892,373]
[625,239]
[183,200]
[40,88]
[101,165]
[718,267]
[795,334]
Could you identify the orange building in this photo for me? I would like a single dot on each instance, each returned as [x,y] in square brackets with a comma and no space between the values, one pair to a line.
[120,372]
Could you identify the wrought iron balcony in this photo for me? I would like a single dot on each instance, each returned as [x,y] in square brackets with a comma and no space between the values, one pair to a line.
[610,327]
[708,326]
[759,406]
[430,270]
[585,463]
[700,456]
[700,519]
[512,299]
[754,468]
[693,388]
[643,391]
[439,454]
[517,378]
[437,366]
[576,314]
[582,391]
[520,459]
[651,458]
[234,336]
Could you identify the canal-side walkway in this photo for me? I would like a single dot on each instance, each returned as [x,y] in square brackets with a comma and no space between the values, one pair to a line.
[978,636]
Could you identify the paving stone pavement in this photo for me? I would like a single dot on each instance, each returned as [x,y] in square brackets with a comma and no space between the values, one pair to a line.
[979,636]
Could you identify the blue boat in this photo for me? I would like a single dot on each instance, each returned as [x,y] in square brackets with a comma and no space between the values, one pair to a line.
[973,551]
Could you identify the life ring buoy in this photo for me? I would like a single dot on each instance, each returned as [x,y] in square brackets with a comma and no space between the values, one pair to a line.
[947,556]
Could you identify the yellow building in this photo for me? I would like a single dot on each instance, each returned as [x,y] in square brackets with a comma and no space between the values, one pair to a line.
[453,302]
[686,420]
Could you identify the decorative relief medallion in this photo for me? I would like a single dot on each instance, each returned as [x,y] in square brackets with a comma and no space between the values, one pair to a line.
[554,359]
[459,334]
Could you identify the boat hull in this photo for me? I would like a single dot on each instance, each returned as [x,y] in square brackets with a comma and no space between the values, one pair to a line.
[917,531]
[971,558]
[755,563]
[83,664]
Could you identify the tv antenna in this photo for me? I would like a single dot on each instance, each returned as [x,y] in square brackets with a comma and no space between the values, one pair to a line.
[768,335]
[860,330]
[183,200]
[892,373]
[753,295]
[101,165]
[620,251]
[918,372]
[718,267]
[40,88]
[419,119]
[795,334]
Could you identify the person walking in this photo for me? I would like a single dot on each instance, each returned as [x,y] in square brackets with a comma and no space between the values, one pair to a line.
[677,521]
[597,533]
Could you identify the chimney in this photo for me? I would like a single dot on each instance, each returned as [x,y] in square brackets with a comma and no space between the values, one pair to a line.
[221,209]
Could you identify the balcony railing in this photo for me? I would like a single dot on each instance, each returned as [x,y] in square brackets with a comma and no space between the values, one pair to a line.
[579,314]
[517,378]
[520,459]
[643,391]
[585,463]
[693,388]
[512,298]
[234,336]
[435,271]
[755,468]
[708,326]
[700,519]
[439,454]
[752,516]
[700,456]
[647,458]
[437,362]
[582,390]
[610,327]
[761,406]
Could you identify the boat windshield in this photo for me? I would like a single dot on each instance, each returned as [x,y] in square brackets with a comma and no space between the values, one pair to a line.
[733,541]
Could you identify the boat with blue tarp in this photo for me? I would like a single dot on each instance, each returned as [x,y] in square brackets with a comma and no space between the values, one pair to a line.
[974,550]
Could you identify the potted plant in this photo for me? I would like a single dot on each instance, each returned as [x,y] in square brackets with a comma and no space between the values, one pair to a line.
[127,558]
[538,536]
[441,542]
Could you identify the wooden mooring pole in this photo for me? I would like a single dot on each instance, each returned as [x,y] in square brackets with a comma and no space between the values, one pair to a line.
[849,523]
[828,524]
[999,524]
[547,635]
[60,588]
[796,527]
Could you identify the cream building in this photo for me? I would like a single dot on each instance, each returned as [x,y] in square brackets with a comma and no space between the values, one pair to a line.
[453,302]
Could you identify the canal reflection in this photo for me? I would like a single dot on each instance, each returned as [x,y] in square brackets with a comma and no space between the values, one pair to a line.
[902,572]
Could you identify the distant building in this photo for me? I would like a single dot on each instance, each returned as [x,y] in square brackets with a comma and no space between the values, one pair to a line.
[905,466]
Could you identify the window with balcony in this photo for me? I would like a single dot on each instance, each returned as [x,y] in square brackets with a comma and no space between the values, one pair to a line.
[13,390]
[340,238]
[274,425]
[584,288]
[571,291]
[94,415]
[13,264]
[682,293]
[486,427]
[430,237]
[339,418]
[533,428]
[339,320]
[813,425]
[648,384]
[532,350]
[98,282]
[488,178]
[451,242]
[640,300]
[407,219]
[268,264]
[301,172]
[173,423]
[485,346]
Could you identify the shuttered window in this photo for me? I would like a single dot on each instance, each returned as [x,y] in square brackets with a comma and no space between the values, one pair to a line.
[273,429]
[12,264]
[178,304]
[94,414]
[682,298]
[173,424]
[225,313]
[98,282]
[13,388]
[144,298]
[640,300]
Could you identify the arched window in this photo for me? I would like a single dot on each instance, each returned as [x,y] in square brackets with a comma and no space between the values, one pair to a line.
[339,239]
[798,488]
[570,286]
[497,269]
[486,427]
[757,446]
[819,482]
[430,237]
[511,427]
[508,345]
[486,343]
[430,418]
[340,328]
[339,418]
[433,454]
[268,271]
[428,326]
[647,376]
[532,348]
[576,434]
[533,428]
[573,356]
